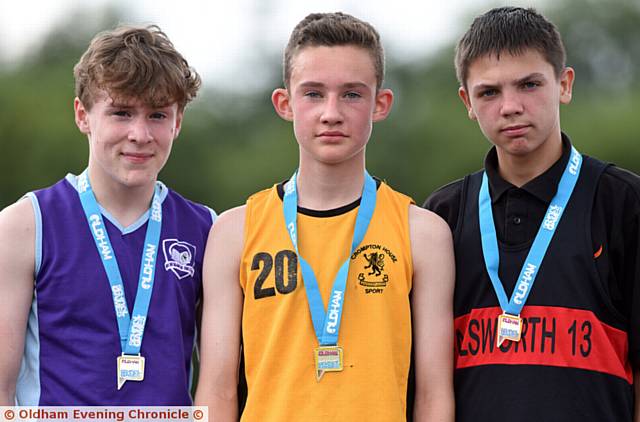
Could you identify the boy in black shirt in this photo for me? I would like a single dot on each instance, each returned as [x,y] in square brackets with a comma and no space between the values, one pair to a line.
[546,242]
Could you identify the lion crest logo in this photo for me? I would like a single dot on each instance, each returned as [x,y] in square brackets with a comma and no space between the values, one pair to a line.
[375,262]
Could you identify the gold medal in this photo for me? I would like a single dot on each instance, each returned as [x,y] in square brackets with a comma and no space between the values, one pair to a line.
[509,328]
[328,359]
[130,368]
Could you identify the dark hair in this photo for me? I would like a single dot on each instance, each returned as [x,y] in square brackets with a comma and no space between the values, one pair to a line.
[513,30]
[135,62]
[334,29]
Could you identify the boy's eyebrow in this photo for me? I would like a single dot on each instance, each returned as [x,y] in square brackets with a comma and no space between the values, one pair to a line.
[311,84]
[128,105]
[348,85]
[484,86]
[120,104]
[534,75]
[355,85]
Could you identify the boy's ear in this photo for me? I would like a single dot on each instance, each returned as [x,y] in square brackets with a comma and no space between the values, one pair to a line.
[178,126]
[464,96]
[566,85]
[81,116]
[282,103]
[384,101]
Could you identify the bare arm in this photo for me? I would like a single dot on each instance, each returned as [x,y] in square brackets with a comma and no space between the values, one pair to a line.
[432,303]
[17,264]
[221,318]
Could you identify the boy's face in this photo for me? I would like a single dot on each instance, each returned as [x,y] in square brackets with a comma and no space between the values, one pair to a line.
[516,101]
[332,101]
[129,142]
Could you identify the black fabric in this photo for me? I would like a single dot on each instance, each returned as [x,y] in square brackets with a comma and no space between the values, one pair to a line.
[326,213]
[614,225]
[570,279]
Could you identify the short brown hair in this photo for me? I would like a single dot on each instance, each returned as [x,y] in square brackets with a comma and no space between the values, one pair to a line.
[135,62]
[512,30]
[334,29]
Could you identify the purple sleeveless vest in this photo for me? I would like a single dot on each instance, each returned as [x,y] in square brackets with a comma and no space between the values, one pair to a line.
[72,340]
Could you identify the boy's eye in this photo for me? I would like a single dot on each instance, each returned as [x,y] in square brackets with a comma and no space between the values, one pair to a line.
[488,93]
[530,84]
[158,115]
[121,113]
[352,95]
[312,94]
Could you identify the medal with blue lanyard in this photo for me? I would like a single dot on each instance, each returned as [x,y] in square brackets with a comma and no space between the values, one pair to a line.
[328,356]
[510,323]
[131,329]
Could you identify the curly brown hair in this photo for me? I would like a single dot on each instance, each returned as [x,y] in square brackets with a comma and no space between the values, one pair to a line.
[135,62]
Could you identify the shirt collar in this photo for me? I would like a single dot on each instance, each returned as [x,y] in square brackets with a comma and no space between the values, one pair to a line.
[543,187]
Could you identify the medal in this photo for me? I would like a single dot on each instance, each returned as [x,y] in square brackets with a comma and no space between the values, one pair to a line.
[326,321]
[510,323]
[509,328]
[328,359]
[130,368]
[130,365]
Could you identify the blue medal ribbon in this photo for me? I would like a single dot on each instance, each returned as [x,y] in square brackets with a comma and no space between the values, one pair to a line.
[540,245]
[131,329]
[327,324]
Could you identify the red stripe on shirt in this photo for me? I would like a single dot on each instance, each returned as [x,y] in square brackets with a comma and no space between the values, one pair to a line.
[552,336]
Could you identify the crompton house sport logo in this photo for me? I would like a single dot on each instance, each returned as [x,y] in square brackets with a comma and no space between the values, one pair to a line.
[179,257]
[371,259]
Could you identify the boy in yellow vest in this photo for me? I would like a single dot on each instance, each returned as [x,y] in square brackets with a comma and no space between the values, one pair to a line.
[316,276]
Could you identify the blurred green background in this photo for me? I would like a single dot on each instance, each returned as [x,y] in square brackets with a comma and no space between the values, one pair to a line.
[233,144]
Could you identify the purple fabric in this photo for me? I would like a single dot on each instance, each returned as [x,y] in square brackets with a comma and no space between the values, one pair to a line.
[78,332]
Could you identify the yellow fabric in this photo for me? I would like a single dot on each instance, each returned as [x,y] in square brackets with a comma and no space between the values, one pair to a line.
[375,332]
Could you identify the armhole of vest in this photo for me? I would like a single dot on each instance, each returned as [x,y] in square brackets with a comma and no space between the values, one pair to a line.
[604,289]
[589,213]
[599,171]
[408,202]
[463,206]
[213,215]
[38,228]
[195,353]
[245,237]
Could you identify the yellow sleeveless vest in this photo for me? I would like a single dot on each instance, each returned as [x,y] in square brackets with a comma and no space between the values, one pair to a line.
[375,331]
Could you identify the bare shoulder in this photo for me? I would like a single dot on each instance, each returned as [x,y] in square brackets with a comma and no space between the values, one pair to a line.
[17,242]
[427,226]
[17,221]
[226,238]
[431,245]
[230,221]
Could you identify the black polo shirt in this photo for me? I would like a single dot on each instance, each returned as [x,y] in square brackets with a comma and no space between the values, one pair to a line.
[615,224]
[581,320]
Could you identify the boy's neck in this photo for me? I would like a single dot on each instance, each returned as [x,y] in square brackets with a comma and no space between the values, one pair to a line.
[521,169]
[325,187]
[125,203]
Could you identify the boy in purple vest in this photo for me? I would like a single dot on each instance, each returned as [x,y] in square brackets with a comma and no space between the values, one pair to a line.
[546,241]
[101,273]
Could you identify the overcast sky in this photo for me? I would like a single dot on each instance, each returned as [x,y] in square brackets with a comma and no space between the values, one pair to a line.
[225,41]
